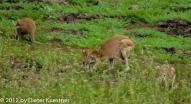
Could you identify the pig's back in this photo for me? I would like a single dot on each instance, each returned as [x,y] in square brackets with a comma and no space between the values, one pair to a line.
[110,48]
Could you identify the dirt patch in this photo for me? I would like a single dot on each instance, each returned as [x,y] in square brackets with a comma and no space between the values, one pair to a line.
[70,2]
[72,17]
[16,7]
[87,2]
[136,24]
[180,8]
[60,2]
[134,7]
[172,27]
[187,53]
[116,17]
[59,45]
[171,50]
[56,41]
[175,27]
[25,64]
[139,35]
[56,29]
[10,1]
[12,8]
[80,32]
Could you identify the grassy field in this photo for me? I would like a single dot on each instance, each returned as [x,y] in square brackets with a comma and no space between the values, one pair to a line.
[52,68]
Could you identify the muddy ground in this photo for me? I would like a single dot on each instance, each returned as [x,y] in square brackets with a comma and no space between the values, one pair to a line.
[172,27]
[175,27]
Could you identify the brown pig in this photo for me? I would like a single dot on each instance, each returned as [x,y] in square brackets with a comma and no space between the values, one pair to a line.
[118,46]
[25,26]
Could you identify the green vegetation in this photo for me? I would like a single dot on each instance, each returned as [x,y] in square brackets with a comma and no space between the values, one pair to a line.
[52,68]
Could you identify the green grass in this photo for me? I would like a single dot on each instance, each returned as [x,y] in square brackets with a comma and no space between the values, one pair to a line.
[50,69]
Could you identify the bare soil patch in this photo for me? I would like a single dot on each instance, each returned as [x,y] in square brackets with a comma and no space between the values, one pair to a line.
[12,8]
[60,2]
[72,17]
[79,32]
[175,27]
[181,8]
[9,1]
[59,45]
[25,64]
[187,53]
[88,2]
[136,24]
[171,50]
[55,29]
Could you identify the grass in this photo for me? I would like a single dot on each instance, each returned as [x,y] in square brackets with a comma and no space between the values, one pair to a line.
[52,68]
